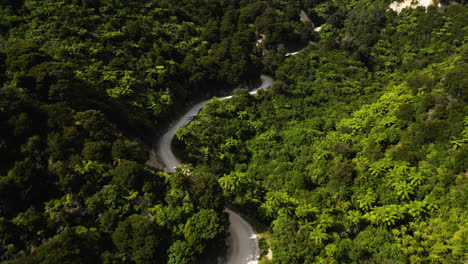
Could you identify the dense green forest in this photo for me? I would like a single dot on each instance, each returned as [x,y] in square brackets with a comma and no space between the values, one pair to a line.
[80,83]
[357,154]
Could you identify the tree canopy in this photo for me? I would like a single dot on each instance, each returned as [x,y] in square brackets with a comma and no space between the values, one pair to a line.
[357,153]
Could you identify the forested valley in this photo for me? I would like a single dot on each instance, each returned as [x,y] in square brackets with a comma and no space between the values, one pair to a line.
[358,153]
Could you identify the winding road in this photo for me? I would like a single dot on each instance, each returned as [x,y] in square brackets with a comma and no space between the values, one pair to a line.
[242,242]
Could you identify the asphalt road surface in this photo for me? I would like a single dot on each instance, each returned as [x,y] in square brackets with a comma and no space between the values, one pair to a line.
[242,242]
[164,151]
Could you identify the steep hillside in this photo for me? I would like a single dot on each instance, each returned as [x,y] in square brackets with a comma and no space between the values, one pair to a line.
[79,81]
[358,154]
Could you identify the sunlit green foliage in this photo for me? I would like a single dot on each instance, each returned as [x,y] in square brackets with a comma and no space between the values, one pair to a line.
[357,153]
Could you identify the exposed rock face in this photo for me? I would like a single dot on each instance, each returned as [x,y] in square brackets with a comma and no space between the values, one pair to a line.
[304,17]
[397,7]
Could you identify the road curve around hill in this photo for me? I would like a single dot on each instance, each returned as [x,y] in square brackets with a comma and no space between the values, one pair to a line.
[242,242]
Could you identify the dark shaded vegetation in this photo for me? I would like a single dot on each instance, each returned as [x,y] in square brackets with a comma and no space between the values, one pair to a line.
[79,82]
[357,154]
